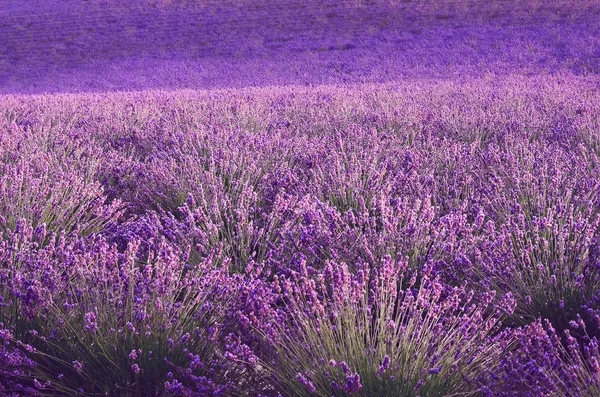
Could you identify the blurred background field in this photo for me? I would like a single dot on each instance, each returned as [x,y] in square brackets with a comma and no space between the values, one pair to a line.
[69,46]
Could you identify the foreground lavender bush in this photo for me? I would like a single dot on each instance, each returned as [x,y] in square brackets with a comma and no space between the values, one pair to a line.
[100,321]
[382,332]
[550,363]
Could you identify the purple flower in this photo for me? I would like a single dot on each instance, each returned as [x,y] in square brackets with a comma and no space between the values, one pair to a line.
[90,322]
[37,384]
[385,365]
[185,338]
[345,367]
[78,366]
[418,386]
[353,384]
[307,383]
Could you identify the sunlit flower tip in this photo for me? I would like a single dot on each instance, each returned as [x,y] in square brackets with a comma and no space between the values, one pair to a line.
[185,338]
[90,322]
[573,324]
[595,365]
[418,385]
[78,366]
[332,362]
[133,355]
[385,365]
[159,305]
[391,324]
[310,387]
[135,368]
[353,384]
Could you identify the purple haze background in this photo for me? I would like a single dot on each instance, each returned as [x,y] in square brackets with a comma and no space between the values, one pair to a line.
[70,46]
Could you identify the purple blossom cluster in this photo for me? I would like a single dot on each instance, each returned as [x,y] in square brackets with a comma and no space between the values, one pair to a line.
[428,237]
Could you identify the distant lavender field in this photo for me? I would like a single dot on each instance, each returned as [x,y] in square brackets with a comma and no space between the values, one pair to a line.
[358,198]
[77,45]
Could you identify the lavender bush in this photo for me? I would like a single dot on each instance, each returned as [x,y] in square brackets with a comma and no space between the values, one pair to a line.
[550,363]
[382,332]
[103,321]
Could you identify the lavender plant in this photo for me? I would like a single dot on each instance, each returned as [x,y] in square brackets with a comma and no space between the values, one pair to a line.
[382,331]
[53,187]
[541,235]
[549,363]
[101,321]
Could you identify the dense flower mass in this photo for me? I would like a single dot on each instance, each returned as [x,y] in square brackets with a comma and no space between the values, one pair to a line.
[373,235]
[418,239]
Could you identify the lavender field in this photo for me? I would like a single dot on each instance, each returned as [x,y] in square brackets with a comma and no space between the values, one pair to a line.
[352,198]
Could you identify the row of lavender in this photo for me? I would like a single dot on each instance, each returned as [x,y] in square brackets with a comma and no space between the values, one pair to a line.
[414,239]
